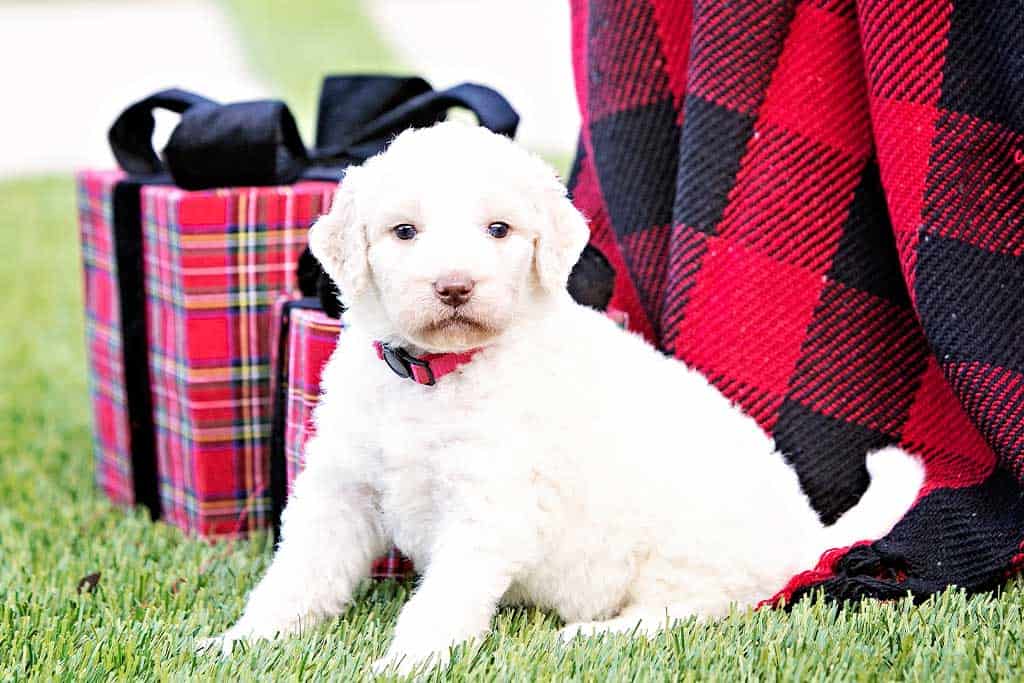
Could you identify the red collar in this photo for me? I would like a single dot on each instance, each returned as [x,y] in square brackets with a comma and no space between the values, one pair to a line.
[425,369]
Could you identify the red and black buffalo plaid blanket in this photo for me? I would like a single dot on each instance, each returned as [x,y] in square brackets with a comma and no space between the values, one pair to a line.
[820,206]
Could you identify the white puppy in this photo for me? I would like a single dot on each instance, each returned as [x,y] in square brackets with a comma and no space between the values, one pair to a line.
[561,462]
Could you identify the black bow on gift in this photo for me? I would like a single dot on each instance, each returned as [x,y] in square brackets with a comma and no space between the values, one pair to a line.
[258,143]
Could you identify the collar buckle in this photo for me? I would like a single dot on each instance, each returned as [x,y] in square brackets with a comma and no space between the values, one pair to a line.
[405,365]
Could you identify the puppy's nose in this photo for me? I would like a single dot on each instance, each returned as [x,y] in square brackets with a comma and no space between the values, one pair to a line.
[454,289]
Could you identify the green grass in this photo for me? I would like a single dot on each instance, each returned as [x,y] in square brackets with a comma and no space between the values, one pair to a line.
[158,590]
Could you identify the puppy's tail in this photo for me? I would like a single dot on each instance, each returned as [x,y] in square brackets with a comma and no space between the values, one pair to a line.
[896,479]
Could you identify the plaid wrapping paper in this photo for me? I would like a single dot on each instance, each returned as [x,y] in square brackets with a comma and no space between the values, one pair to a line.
[820,206]
[215,262]
[111,433]
[311,338]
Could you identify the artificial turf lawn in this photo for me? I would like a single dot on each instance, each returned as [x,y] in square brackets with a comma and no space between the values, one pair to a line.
[158,591]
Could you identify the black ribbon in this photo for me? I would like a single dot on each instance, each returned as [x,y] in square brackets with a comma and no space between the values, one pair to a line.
[258,143]
[245,144]
[127,238]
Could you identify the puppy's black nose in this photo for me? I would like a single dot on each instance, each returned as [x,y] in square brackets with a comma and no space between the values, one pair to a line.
[454,290]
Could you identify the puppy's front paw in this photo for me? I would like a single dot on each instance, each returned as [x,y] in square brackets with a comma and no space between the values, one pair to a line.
[222,644]
[242,632]
[225,643]
[577,630]
[403,661]
[403,664]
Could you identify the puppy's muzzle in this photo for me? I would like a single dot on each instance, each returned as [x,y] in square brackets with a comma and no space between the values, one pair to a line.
[454,290]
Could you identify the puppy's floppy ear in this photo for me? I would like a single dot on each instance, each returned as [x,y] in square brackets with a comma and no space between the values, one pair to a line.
[338,240]
[560,246]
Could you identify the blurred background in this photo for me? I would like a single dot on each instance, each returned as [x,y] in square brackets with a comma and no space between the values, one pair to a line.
[70,67]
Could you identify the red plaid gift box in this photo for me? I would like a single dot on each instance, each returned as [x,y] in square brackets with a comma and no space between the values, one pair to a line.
[212,264]
[309,338]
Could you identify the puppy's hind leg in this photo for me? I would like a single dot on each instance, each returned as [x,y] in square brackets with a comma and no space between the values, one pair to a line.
[329,537]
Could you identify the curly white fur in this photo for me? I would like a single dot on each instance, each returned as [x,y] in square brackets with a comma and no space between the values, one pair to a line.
[569,465]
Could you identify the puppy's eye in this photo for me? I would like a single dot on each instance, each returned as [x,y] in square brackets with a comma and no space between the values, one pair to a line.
[498,229]
[405,231]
